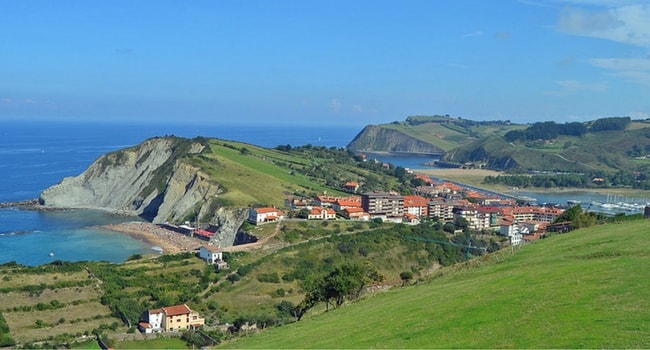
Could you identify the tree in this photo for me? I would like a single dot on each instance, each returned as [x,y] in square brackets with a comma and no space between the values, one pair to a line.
[344,282]
[405,276]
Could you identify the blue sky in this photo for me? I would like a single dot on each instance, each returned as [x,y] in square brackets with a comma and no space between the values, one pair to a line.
[324,62]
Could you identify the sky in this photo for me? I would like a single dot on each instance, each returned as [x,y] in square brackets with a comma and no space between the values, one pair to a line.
[329,62]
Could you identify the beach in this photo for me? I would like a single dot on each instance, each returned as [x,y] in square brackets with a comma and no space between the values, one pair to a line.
[170,241]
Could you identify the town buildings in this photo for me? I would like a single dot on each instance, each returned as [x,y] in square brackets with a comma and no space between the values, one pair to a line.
[445,201]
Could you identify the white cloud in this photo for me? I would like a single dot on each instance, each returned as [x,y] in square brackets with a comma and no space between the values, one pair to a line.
[5,100]
[357,109]
[628,24]
[570,87]
[631,69]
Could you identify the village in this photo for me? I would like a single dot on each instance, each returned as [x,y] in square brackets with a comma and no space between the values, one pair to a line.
[437,200]
[444,200]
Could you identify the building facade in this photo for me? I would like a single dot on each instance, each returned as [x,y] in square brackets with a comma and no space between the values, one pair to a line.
[383,204]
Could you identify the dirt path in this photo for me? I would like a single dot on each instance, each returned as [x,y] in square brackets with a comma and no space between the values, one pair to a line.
[255,245]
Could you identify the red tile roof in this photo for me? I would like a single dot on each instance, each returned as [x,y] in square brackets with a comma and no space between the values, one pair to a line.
[415,201]
[204,233]
[348,203]
[177,310]
[265,210]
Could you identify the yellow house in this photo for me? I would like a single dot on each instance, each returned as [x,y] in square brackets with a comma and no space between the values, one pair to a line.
[171,318]
[181,317]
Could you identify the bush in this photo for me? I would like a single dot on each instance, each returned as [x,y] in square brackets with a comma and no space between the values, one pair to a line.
[233,277]
[269,277]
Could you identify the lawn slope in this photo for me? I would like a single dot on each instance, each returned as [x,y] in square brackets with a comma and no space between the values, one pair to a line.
[585,289]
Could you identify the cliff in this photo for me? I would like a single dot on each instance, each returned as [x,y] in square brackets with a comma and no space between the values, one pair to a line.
[153,180]
[380,138]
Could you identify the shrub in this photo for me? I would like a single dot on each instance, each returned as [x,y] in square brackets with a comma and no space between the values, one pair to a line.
[269,277]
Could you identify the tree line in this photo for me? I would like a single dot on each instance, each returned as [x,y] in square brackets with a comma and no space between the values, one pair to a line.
[595,179]
[551,130]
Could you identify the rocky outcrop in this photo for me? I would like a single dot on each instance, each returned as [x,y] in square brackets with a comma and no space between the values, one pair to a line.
[153,180]
[375,138]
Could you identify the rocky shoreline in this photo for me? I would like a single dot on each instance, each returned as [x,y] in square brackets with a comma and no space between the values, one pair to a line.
[26,204]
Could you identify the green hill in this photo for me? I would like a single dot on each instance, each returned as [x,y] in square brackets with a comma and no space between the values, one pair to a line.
[586,289]
[441,133]
[616,149]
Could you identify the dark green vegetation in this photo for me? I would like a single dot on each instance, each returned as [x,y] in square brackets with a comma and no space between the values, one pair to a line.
[557,155]
[585,289]
[308,267]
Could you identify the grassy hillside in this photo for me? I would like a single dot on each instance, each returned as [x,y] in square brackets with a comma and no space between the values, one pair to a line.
[60,302]
[607,151]
[585,289]
[252,175]
[444,132]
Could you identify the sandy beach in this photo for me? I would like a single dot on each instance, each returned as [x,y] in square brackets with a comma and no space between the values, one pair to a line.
[170,241]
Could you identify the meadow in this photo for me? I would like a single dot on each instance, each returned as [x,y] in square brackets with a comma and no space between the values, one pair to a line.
[585,289]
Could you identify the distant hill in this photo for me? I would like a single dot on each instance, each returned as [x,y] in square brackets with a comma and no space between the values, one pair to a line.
[599,148]
[423,134]
[585,289]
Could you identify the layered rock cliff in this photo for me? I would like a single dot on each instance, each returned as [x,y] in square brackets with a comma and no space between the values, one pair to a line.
[153,180]
[381,139]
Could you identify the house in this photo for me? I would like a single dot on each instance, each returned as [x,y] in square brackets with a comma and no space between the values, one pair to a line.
[514,230]
[297,203]
[170,318]
[320,213]
[411,219]
[264,215]
[351,186]
[427,191]
[356,214]
[325,201]
[213,255]
[349,202]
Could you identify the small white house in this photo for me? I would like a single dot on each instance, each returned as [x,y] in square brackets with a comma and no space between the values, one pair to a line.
[263,215]
[211,254]
[153,321]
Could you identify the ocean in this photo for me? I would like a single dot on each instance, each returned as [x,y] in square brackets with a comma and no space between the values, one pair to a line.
[37,155]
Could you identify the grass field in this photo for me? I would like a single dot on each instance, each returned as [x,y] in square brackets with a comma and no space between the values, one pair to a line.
[585,289]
